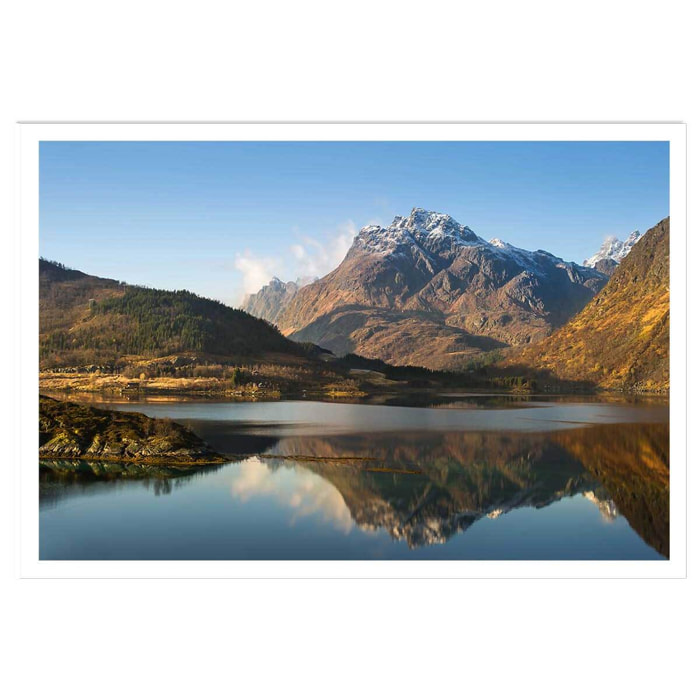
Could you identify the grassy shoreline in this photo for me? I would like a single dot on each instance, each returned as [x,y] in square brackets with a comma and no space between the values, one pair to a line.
[67,386]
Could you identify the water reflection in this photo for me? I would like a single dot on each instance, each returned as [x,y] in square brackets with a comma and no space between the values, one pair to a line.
[425,489]
[462,477]
[305,493]
[69,479]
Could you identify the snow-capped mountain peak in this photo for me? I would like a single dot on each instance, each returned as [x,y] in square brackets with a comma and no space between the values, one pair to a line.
[431,236]
[613,249]
[422,228]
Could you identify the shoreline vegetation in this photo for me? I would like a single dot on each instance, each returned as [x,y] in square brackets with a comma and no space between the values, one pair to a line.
[269,381]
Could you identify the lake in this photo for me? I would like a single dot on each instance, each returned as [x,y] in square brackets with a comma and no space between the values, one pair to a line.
[456,477]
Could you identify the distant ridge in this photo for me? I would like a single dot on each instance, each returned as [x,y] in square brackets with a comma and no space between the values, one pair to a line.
[273,298]
[612,252]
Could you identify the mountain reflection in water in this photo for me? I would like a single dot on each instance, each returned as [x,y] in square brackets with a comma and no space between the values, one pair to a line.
[423,488]
[465,476]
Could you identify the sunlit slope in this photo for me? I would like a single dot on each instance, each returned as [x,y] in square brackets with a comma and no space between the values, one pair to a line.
[620,340]
[86,319]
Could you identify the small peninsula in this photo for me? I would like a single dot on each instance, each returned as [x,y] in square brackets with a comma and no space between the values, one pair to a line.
[69,431]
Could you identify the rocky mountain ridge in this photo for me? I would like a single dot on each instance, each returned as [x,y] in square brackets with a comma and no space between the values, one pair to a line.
[427,290]
[612,252]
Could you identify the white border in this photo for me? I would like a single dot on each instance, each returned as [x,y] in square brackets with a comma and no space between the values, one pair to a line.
[29,136]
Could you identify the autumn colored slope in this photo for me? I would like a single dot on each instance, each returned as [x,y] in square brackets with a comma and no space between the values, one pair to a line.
[620,340]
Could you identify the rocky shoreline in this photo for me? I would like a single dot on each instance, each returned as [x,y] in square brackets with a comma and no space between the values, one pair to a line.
[70,431]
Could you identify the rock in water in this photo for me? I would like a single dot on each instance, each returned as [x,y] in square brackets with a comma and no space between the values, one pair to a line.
[73,431]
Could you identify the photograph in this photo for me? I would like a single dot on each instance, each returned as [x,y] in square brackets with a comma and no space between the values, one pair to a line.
[347,349]
[360,339]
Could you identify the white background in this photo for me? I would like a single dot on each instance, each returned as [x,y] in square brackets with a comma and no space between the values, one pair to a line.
[603,61]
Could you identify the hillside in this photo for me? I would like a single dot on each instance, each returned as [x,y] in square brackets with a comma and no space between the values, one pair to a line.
[620,340]
[427,290]
[91,320]
[103,336]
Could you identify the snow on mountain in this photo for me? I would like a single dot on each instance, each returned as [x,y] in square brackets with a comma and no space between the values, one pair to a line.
[613,249]
[433,235]
[422,228]
[427,290]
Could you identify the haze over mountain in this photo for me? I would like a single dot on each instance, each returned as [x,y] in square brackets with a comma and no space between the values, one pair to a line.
[273,298]
[428,291]
[620,340]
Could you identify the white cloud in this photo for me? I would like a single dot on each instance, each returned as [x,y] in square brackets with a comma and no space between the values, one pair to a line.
[307,257]
[304,493]
[316,257]
[257,271]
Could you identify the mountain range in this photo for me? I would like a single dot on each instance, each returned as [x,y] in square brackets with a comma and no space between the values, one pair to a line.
[425,291]
[428,291]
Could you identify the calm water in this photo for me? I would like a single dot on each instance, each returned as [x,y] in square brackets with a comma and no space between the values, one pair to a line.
[458,478]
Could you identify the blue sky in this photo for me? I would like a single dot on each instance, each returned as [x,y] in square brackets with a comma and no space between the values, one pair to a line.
[220,218]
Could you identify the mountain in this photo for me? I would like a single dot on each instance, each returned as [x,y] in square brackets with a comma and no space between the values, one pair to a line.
[273,298]
[620,340]
[86,319]
[612,252]
[428,291]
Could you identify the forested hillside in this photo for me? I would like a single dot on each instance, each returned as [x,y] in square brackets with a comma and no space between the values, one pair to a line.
[86,319]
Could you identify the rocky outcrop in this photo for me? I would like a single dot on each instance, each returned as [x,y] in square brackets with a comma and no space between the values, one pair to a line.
[70,431]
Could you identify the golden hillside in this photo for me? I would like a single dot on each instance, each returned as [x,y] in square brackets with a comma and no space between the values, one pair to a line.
[620,340]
